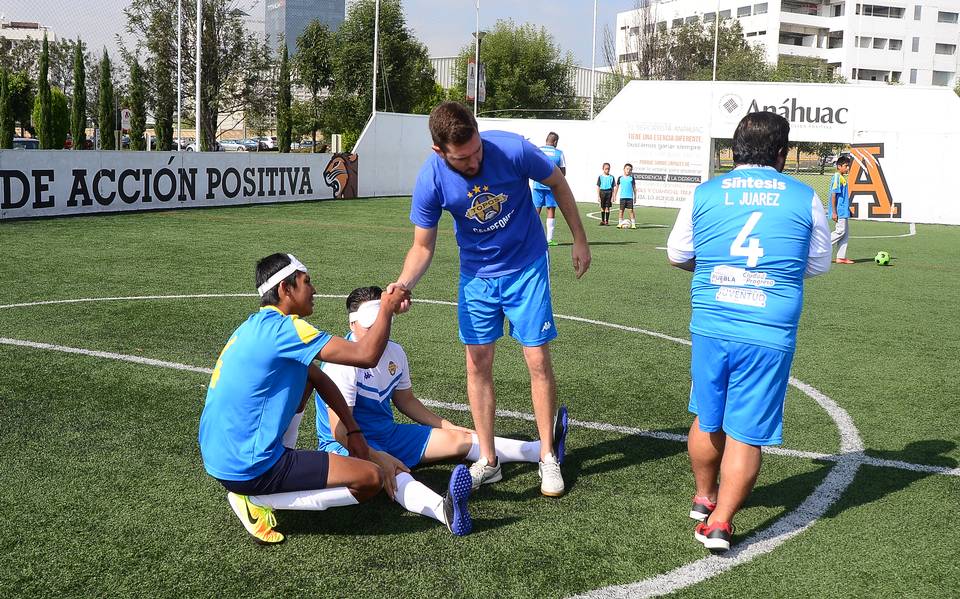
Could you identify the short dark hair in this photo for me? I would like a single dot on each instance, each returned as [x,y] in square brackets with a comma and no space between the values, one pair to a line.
[362,295]
[266,268]
[844,160]
[760,138]
[605,164]
[452,123]
[552,138]
[627,164]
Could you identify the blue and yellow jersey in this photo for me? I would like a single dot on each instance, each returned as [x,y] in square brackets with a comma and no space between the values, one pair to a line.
[838,186]
[254,392]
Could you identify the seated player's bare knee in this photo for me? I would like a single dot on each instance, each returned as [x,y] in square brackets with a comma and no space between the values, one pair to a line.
[368,481]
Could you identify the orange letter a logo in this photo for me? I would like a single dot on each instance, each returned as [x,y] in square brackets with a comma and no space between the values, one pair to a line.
[866,178]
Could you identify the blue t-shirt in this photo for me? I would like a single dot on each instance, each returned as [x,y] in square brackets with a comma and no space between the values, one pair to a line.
[254,391]
[751,237]
[626,187]
[839,187]
[494,219]
[556,156]
[605,182]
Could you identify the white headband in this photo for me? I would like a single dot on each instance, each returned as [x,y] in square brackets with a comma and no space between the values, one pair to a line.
[366,313]
[294,266]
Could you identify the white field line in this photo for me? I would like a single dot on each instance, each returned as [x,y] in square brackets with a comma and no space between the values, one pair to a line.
[594,216]
[459,407]
[913,231]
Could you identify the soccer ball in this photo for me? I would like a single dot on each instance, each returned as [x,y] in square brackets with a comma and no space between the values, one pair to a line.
[882,258]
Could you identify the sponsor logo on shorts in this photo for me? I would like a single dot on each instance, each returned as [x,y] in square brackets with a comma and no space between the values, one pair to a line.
[546,327]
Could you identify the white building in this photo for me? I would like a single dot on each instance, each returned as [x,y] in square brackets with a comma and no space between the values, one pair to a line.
[17,31]
[911,42]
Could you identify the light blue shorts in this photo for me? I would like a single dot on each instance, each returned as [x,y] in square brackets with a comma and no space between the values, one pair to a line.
[740,388]
[543,197]
[523,297]
[406,442]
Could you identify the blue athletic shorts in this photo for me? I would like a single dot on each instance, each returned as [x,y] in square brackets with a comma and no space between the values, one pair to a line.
[522,296]
[543,197]
[739,388]
[406,442]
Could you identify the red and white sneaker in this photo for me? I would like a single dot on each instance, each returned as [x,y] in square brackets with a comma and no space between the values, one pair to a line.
[716,536]
[702,508]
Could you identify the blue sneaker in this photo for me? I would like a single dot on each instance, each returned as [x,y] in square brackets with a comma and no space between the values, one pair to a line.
[560,428]
[455,510]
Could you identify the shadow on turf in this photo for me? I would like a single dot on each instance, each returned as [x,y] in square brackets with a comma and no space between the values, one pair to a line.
[866,488]
[593,243]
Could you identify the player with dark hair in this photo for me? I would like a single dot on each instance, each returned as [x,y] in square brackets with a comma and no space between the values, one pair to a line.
[481,179]
[542,196]
[255,400]
[750,237]
[840,208]
[369,392]
[626,190]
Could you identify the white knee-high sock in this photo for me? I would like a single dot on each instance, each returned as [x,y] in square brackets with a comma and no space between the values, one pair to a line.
[551,224]
[313,500]
[290,436]
[508,450]
[417,497]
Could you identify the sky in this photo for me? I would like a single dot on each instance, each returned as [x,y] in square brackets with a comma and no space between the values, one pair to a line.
[443,25]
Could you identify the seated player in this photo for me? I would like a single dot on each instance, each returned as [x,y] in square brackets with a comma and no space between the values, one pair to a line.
[369,391]
[255,400]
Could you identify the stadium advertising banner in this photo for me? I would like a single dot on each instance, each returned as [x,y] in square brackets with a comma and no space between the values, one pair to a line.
[61,183]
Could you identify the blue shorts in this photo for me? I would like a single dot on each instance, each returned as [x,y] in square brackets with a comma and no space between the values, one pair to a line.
[543,197]
[406,442]
[740,388]
[522,296]
[296,470]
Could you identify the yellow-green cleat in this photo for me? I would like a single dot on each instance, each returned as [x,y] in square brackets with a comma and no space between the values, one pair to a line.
[257,519]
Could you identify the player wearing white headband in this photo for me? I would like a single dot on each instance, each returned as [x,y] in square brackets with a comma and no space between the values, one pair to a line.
[255,400]
[369,391]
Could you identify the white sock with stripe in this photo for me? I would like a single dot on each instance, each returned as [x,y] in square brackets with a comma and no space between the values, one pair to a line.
[551,224]
[290,436]
[418,498]
[313,500]
[508,450]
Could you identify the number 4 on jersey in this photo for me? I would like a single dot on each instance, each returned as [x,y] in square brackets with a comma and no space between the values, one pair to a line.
[752,250]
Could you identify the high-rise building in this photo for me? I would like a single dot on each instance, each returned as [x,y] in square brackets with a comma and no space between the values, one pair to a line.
[891,40]
[288,19]
[18,31]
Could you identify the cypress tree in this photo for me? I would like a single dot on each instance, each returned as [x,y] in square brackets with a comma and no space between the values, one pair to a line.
[78,113]
[45,125]
[284,123]
[106,113]
[6,111]
[138,107]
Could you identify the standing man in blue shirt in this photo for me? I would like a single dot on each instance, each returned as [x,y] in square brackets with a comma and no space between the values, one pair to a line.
[542,195]
[255,401]
[750,237]
[482,180]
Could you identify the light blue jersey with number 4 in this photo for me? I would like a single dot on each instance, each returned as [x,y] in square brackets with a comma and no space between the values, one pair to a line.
[752,231]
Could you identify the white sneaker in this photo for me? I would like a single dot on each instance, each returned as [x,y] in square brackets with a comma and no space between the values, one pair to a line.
[483,474]
[551,481]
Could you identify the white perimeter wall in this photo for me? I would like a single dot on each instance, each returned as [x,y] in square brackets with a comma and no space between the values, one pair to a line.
[664,128]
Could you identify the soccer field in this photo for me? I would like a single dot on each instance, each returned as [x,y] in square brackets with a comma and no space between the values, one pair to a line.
[106,495]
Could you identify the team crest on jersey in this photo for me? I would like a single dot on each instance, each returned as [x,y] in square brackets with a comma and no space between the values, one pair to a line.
[485,206]
[392,368]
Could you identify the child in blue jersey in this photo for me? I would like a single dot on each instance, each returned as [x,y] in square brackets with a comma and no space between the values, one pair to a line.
[542,196]
[605,184]
[750,237]
[481,179]
[256,397]
[626,191]
[840,208]
[371,394]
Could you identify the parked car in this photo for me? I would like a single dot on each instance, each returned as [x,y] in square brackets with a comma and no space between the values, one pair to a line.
[270,141]
[254,145]
[193,147]
[232,145]
[26,143]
